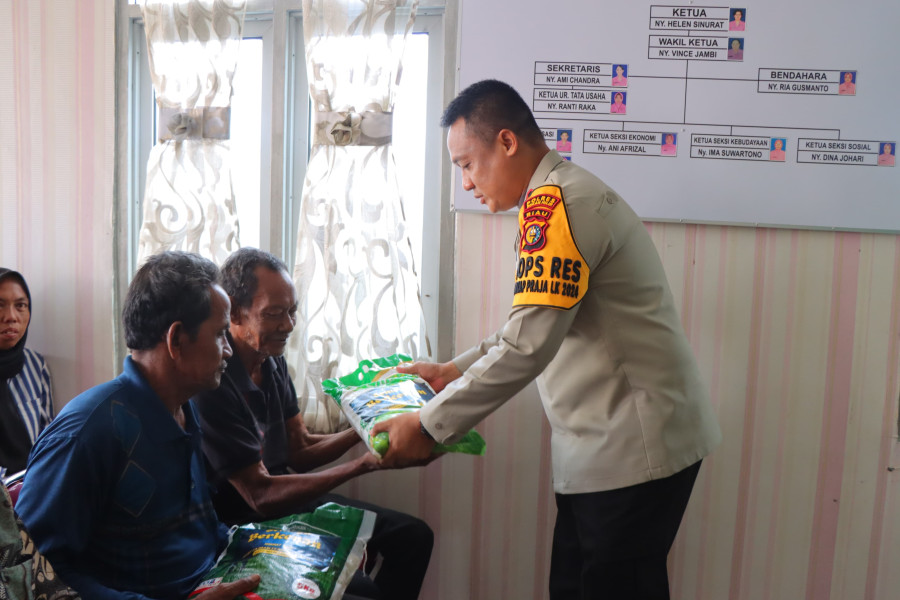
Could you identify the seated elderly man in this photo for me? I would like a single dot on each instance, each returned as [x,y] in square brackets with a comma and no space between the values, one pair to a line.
[115,495]
[259,451]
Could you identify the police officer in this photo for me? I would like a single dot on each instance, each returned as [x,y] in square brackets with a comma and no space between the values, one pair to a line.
[594,320]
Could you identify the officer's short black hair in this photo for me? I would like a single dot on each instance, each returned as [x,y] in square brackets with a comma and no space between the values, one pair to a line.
[489,106]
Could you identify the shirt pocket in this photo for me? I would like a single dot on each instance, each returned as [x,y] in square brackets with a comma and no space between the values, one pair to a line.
[134,490]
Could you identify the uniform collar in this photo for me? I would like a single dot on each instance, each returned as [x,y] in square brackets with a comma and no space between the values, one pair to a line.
[548,163]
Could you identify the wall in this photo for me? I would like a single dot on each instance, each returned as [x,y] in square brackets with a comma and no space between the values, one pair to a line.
[798,337]
[56,179]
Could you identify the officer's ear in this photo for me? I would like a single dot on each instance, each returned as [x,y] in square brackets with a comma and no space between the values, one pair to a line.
[509,141]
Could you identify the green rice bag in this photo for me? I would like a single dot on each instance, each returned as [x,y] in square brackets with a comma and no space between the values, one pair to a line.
[310,555]
[375,391]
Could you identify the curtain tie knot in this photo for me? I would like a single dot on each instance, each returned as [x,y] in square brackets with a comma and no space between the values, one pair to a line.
[210,122]
[345,131]
[351,128]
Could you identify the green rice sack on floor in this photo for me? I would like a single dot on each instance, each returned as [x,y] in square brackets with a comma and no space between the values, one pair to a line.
[375,391]
[309,555]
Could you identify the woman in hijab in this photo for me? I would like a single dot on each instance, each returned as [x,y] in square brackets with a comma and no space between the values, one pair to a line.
[26,402]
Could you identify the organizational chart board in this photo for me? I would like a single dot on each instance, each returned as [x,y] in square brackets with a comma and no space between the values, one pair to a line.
[752,112]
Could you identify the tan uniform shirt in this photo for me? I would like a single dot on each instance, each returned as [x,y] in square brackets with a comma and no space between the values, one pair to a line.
[618,379]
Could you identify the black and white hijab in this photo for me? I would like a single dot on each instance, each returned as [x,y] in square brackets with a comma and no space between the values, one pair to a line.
[15,443]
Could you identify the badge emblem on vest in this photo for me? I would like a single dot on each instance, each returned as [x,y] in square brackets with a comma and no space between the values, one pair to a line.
[535,237]
[537,211]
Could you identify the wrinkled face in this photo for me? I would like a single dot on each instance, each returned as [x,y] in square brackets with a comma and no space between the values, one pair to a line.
[486,168]
[201,360]
[15,313]
[268,322]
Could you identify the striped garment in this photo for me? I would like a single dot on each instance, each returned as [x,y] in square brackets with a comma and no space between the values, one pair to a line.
[31,391]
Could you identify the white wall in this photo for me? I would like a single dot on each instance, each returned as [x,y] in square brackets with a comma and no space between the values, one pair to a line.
[56,179]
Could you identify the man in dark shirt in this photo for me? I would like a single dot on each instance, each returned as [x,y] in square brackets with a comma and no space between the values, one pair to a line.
[115,495]
[258,449]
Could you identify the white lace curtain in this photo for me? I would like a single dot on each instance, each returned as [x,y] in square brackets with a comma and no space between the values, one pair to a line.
[354,270]
[188,200]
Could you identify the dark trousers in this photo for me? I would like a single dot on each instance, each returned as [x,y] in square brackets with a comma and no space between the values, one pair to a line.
[403,544]
[613,545]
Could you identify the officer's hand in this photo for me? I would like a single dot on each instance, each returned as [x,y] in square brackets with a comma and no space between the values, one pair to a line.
[438,375]
[230,591]
[408,447]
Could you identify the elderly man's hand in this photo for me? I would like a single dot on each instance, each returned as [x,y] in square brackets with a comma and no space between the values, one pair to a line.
[409,447]
[230,591]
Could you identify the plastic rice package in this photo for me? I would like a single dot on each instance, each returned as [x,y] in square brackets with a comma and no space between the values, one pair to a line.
[309,555]
[376,391]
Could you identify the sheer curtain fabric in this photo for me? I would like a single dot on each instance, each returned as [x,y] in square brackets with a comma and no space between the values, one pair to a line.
[354,268]
[189,202]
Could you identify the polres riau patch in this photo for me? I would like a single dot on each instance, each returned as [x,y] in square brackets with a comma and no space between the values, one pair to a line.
[551,270]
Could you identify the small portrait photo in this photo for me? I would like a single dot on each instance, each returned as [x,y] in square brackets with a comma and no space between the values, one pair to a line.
[776,149]
[620,75]
[735,48]
[669,144]
[618,104]
[737,19]
[564,140]
[886,154]
[848,83]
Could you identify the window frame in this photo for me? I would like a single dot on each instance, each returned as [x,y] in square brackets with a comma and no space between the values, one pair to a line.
[286,117]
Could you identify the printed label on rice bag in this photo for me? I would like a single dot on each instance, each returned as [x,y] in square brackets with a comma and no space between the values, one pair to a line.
[305,588]
[373,402]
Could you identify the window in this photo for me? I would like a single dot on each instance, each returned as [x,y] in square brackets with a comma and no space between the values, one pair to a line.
[246,138]
[271,138]
[249,154]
